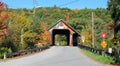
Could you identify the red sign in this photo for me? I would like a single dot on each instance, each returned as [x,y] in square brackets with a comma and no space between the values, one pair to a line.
[103,35]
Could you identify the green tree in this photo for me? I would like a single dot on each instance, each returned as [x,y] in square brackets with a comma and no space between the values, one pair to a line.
[20,29]
[114,8]
[61,40]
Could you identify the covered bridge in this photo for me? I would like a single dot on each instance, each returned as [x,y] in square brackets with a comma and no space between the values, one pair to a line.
[61,27]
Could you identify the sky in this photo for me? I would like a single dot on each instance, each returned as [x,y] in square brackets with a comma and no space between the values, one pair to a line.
[72,4]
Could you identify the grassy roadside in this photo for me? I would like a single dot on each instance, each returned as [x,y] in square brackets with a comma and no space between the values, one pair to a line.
[104,59]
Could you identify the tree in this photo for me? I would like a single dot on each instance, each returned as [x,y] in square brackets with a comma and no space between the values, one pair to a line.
[45,36]
[20,29]
[114,8]
[4,14]
[87,37]
[67,16]
[25,28]
[61,40]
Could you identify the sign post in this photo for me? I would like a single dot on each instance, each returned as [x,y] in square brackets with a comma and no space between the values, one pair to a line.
[103,35]
[110,50]
[83,39]
[115,41]
[104,43]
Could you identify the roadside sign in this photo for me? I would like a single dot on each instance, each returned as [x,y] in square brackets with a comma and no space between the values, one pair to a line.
[103,44]
[110,50]
[103,35]
[83,39]
[115,41]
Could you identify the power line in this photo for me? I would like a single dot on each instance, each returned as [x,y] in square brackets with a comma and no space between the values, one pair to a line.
[68,3]
[34,6]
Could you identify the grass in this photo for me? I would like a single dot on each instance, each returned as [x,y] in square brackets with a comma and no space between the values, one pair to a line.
[104,59]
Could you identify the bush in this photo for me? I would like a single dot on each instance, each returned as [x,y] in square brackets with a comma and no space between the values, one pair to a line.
[4,50]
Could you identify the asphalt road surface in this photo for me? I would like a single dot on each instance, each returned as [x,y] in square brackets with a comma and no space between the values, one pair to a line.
[55,56]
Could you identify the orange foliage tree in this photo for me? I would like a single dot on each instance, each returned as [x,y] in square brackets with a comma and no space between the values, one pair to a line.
[67,16]
[3,16]
[44,36]
[3,13]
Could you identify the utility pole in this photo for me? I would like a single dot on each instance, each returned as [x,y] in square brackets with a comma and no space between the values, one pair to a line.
[34,5]
[93,30]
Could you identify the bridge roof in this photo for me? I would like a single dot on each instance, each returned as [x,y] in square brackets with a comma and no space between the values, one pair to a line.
[62,24]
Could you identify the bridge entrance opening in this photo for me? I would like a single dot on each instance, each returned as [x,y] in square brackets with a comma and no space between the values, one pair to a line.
[61,40]
[65,33]
[60,37]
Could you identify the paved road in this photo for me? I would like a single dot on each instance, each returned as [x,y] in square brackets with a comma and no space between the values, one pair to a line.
[55,56]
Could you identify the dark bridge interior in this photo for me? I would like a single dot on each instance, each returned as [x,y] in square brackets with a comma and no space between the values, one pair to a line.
[61,32]
[65,32]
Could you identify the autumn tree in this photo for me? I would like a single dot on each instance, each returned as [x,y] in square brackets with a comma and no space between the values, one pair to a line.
[44,36]
[20,29]
[87,36]
[67,16]
[4,46]
[4,14]
[80,20]
[3,17]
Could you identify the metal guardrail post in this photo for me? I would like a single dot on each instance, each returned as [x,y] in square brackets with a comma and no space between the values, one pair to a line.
[94,50]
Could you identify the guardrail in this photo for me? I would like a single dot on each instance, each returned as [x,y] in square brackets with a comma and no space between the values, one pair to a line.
[20,53]
[94,50]
[101,52]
